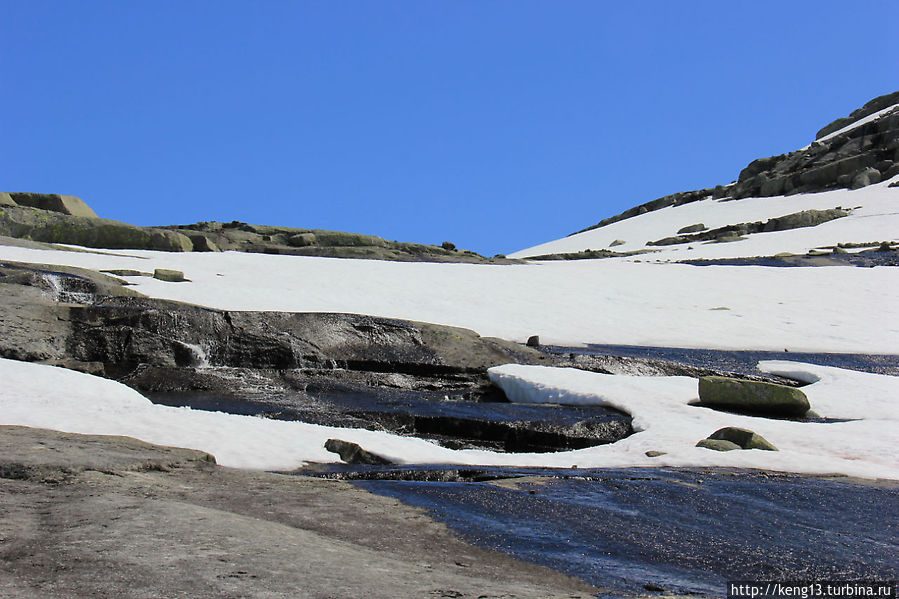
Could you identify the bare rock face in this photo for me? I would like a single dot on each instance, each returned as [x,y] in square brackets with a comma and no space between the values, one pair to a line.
[63,204]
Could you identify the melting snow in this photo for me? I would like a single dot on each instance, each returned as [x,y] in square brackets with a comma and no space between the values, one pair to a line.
[48,397]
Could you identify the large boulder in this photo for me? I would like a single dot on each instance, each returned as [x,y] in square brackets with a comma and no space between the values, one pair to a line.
[63,204]
[6,199]
[866,177]
[202,243]
[751,397]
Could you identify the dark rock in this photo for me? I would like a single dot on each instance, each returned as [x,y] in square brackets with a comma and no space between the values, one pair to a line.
[172,276]
[692,228]
[654,454]
[617,242]
[448,246]
[891,172]
[878,103]
[746,439]
[718,445]
[752,397]
[866,177]
[352,453]
[806,218]
[533,341]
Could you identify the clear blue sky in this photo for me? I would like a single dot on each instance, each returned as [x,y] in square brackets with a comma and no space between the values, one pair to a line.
[496,125]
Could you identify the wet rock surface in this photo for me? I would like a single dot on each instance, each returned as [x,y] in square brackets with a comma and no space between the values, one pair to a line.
[89,516]
[686,531]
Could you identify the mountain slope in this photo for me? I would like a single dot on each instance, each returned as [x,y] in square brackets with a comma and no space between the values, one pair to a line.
[850,166]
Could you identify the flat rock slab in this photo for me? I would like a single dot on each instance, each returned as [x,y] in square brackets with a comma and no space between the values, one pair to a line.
[108,526]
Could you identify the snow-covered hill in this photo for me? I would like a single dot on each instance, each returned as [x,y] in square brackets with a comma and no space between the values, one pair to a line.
[874,217]
[836,170]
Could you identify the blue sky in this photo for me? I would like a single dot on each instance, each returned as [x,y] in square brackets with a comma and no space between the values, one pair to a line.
[496,125]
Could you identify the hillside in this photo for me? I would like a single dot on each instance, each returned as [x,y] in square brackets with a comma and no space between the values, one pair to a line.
[63,219]
[845,176]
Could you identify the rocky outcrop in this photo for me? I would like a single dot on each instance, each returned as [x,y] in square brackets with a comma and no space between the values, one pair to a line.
[847,160]
[55,227]
[63,204]
[875,105]
[330,369]
[797,220]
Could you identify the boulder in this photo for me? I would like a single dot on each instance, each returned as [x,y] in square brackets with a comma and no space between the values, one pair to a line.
[71,205]
[891,172]
[743,438]
[751,397]
[201,243]
[301,240]
[172,276]
[866,177]
[533,341]
[617,242]
[6,199]
[692,228]
[352,453]
[718,444]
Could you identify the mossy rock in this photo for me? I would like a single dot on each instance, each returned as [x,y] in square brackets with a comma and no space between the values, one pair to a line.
[53,227]
[301,240]
[718,445]
[692,228]
[340,239]
[6,199]
[743,438]
[751,397]
[172,276]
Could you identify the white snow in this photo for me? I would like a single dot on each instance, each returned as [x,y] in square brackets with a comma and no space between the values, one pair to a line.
[834,309]
[875,217]
[48,397]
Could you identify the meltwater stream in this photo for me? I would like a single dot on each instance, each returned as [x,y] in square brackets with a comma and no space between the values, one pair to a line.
[683,531]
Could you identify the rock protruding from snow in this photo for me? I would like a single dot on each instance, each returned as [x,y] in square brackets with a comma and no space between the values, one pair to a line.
[742,438]
[751,397]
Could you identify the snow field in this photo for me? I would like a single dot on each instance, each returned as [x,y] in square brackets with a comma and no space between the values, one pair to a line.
[47,397]
[831,309]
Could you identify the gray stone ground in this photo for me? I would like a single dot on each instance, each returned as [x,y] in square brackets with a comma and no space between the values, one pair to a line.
[91,516]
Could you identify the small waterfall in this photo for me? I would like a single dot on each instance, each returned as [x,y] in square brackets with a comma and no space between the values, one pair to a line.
[198,354]
[64,289]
